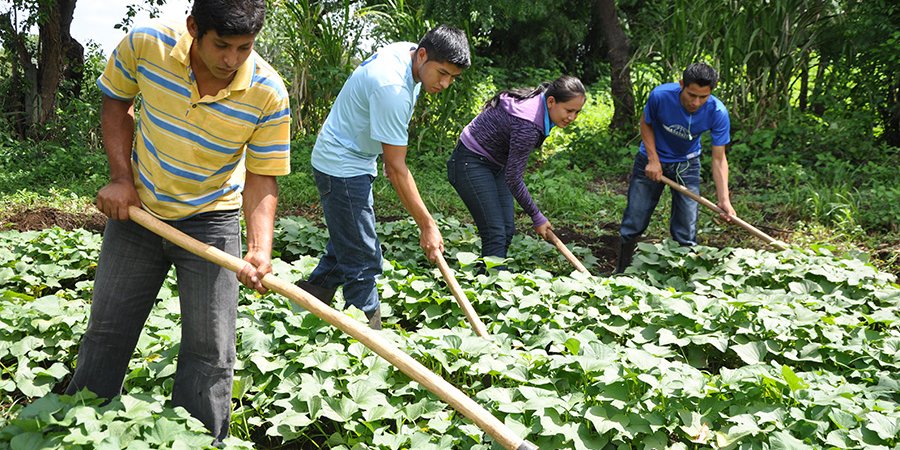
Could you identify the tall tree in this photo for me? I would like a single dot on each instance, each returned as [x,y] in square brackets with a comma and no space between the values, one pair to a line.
[40,68]
[619,53]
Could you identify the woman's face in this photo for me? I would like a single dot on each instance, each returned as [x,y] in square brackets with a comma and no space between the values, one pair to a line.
[564,113]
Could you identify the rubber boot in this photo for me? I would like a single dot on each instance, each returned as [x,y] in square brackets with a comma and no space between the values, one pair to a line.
[626,252]
[325,295]
[374,318]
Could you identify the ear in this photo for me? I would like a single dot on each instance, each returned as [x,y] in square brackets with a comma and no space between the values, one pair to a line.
[421,55]
[551,101]
[192,27]
[681,83]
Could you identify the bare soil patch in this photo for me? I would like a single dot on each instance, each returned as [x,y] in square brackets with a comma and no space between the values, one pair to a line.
[39,218]
[603,246]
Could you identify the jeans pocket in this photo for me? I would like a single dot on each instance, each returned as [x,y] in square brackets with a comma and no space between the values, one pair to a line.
[323,183]
[451,171]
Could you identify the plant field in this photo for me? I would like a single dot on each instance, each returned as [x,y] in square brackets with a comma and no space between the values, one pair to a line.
[692,348]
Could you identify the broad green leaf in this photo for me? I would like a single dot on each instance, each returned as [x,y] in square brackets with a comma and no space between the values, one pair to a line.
[886,427]
[597,415]
[751,352]
[793,381]
[782,440]
[264,364]
[466,258]
[288,424]
[28,441]
[573,345]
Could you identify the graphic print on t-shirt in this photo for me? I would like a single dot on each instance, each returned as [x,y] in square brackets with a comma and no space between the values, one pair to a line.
[679,131]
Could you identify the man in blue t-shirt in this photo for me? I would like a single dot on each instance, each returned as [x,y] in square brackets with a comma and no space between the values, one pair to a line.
[370,118]
[675,116]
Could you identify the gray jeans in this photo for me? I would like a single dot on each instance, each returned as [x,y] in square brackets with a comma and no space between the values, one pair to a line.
[133,265]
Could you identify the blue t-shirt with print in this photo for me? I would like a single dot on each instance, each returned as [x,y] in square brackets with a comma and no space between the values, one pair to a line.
[374,107]
[678,132]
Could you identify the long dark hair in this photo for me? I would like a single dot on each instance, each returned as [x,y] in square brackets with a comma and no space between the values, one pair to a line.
[562,89]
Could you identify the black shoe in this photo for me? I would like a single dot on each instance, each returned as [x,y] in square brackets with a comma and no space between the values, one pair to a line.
[374,319]
[626,252]
[325,295]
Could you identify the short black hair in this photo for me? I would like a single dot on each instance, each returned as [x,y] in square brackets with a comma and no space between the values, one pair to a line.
[447,44]
[229,17]
[700,74]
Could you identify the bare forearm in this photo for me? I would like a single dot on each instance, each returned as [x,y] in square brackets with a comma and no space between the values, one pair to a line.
[395,168]
[260,202]
[117,125]
[403,182]
[649,140]
[720,175]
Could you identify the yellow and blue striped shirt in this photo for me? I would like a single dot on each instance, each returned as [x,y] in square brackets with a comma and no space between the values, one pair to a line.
[190,153]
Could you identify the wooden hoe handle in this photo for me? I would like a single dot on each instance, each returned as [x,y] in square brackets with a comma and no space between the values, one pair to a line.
[753,230]
[568,254]
[460,297]
[412,368]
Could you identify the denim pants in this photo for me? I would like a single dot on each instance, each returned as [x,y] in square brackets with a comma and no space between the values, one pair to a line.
[482,186]
[133,264]
[353,254]
[643,196]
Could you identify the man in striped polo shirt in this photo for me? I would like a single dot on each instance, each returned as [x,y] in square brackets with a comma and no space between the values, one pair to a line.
[212,134]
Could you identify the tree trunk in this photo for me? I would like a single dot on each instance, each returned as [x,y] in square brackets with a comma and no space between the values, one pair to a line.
[817,107]
[595,53]
[73,58]
[804,81]
[55,40]
[891,115]
[619,53]
[24,76]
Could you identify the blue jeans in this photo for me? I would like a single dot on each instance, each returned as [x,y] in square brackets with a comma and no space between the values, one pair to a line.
[353,254]
[482,186]
[643,196]
[133,265]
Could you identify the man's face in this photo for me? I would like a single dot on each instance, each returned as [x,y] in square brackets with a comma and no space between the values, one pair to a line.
[435,76]
[222,55]
[693,96]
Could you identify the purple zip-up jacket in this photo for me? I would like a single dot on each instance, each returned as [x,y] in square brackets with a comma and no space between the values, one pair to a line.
[506,135]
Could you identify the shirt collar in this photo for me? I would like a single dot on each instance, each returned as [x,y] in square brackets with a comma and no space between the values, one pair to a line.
[548,125]
[181,52]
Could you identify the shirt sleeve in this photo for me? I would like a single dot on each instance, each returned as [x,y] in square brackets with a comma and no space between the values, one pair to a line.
[119,78]
[721,126]
[651,107]
[523,139]
[390,109]
[269,147]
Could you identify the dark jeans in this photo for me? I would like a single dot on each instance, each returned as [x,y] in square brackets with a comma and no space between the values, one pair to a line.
[133,265]
[643,196]
[353,254]
[482,186]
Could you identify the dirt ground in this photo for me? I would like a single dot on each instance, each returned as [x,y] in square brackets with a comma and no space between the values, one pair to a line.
[603,247]
[26,219]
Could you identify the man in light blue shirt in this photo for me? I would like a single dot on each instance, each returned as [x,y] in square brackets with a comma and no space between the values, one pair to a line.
[370,118]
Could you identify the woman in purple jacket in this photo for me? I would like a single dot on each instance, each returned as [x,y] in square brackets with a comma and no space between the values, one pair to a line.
[488,164]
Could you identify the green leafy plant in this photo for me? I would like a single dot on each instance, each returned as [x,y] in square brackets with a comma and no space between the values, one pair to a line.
[726,348]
